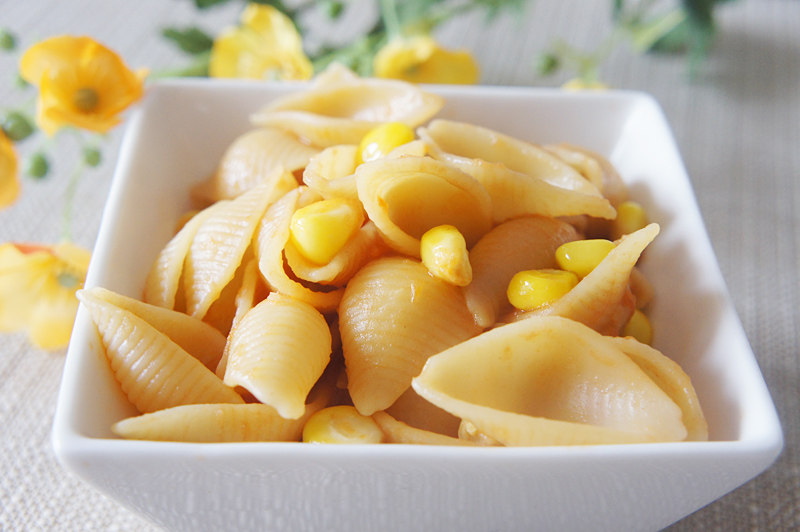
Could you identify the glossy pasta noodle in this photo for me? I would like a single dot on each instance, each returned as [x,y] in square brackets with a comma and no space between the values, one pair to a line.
[309,299]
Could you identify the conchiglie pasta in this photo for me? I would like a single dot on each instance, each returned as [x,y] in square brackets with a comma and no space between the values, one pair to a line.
[271,240]
[213,423]
[277,351]
[196,337]
[550,381]
[331,173]
[264,156]
[219,246]
[525,243]
[164,278]
[396,431]
[475,142]
[416,411]
[365,246]
[406,196]
[342,109]
[153,371]
[669,376]
[602,300]
[392,317]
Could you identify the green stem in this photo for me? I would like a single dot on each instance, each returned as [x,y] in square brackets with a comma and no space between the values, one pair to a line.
[390,18]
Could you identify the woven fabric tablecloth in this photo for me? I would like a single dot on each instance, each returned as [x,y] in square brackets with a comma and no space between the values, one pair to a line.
[737,126]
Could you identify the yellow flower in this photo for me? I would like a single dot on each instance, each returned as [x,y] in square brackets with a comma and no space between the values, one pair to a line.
[81,83]
[265,45]
[9,181]
[37,290]
[422,60]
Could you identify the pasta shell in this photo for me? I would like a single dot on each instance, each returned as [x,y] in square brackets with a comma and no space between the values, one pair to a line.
[595,168]
[406,196]
[526,243]
[550,381]
[163,279]
[414,410]
[392,317]
[475,142]
[344,109]
[219,246]
[671,378]
[396,431]
[364,246]
[261,156]
[153,371]
[209,423]
[278,351]
[602,299]
[331,173]
[197,338]
[272,238]
[251,292]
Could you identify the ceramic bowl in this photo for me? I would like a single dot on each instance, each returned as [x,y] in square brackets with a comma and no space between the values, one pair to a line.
[175,139]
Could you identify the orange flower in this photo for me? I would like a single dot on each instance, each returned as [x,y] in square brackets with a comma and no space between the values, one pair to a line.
[421,60]
[81,83]
[265,45]
[9,180]
[37,290]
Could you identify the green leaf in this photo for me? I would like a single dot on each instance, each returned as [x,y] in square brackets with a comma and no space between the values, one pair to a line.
[191,40]
[92,156]
[205,4]
[17,126]
[38,166]
[8,41]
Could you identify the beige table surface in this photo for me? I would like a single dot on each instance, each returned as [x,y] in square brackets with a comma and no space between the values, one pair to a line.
[738,128]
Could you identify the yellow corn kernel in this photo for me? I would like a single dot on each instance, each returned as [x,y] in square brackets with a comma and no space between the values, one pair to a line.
[444,252]
[320,230]
[631,217]
[532,289]
[341,424]
[639,327]
[382,139]
[582,256]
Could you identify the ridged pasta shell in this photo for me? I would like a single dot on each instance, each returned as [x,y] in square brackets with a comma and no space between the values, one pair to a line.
[208,423]
[526,243]
[406,196]
[331,173]
[153,371]
[671,378]
[392,317]
[396,431]
[211,423]
[164,278]
[475,142]
[196,337]
[364,246]
[219,246]
[272,238]
[277,351]
[598,300]
[260,156]
[343,110]
[550,381]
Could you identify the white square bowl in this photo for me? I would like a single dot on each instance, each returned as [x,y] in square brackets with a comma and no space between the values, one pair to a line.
[176,138]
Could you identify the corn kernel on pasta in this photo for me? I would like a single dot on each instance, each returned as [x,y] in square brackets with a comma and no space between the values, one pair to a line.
[357,272]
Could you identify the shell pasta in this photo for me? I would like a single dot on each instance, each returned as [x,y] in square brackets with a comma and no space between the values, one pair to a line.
[345,278]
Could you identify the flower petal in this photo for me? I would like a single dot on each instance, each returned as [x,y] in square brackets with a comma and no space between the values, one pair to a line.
[9,179]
